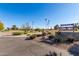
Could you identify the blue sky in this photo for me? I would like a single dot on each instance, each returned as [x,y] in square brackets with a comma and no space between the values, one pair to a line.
[22,13]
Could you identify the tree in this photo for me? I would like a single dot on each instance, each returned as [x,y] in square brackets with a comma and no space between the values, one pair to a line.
[37,29]
[75,27]
[22,27]
[1,26]
[47,23]
[25,27]
[56,27]
[8,28]
[28,27]
[78,27]
[14,27]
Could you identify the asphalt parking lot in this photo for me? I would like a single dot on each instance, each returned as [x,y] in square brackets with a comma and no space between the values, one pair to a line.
[18,46]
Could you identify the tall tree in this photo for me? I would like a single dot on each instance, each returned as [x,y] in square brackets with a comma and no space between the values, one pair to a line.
[23,27]
[14,27]
[1,26]
[27,26]
[75,27]
[56,27]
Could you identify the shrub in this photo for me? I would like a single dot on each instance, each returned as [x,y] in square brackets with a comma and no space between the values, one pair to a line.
[70,40]
[49,33]
[38,35]
[16,33]
[58,40]
[51,37]
[28,34]
[6,30]
[33,36]
[25,32]
[37,29]
[43,33]
[27,38]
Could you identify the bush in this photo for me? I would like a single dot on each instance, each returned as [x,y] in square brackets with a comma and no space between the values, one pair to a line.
[49,33]
[16,33]
[70,40]
[51,37]
[28,34]
[27,38]
[33,36]
[43,33]
[57,40]
[38,35]
[38,29]
[25,32]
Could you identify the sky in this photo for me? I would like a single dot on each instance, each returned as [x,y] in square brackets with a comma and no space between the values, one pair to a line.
[36,13]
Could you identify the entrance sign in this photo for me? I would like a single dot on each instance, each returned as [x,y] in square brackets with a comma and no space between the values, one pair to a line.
[68,27]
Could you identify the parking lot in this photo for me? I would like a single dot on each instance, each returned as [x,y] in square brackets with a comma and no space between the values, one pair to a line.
[18,46]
